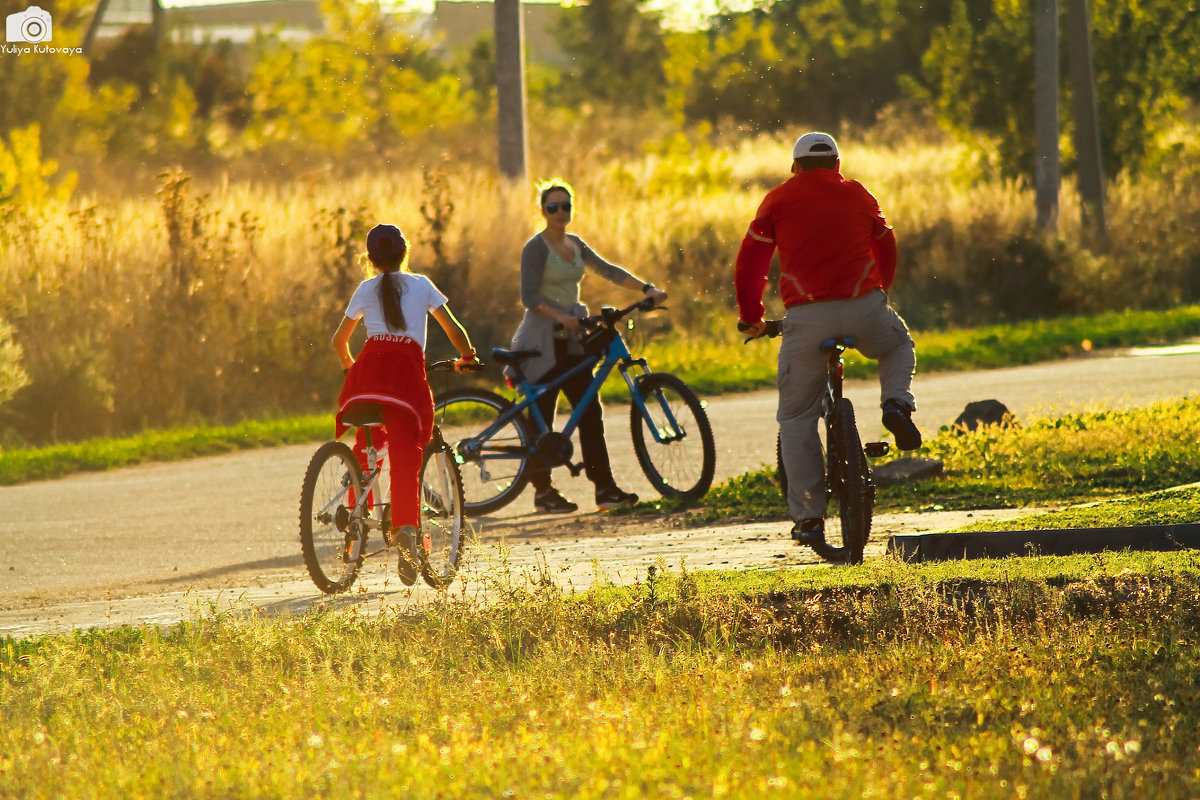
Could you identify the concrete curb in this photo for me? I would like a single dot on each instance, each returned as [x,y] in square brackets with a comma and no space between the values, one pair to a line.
[1069,541]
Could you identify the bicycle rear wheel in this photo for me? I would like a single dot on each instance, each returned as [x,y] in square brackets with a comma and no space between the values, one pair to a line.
[443,514]
[850,482]
[495,467]
[848,485]
[681,461]
[331,541]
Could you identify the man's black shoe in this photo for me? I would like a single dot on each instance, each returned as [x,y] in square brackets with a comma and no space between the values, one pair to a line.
[809,531]
[897,418]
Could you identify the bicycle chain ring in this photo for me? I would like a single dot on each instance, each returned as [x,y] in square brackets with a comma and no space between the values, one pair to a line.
[553,448]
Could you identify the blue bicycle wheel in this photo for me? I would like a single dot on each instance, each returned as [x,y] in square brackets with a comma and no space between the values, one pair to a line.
[494,465]
[672,437]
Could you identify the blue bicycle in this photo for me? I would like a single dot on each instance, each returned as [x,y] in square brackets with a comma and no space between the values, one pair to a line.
[497,440]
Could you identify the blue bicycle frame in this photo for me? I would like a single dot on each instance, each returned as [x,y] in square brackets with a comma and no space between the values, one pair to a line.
[616,355]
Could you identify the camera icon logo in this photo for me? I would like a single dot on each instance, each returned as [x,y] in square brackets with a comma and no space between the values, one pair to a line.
[31,25]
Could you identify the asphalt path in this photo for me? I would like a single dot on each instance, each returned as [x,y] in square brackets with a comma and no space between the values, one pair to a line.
[229,522]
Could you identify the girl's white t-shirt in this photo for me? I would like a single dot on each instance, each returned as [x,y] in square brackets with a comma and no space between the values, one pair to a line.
[419,298]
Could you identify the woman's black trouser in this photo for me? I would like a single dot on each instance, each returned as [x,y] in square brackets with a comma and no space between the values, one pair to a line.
[591,425]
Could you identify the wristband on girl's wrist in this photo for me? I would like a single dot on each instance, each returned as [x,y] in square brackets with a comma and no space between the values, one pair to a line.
[647,287]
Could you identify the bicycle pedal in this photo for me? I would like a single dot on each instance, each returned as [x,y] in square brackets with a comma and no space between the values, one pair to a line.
[877,449]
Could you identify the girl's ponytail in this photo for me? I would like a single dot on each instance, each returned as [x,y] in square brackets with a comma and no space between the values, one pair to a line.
[391,289]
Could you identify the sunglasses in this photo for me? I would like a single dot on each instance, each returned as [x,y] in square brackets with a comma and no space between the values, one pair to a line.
[552,208]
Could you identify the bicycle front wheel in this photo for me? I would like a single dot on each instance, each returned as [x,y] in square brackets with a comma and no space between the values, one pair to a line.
[443,516]
[672,437]
[493,453]
[849,484]
[330,539]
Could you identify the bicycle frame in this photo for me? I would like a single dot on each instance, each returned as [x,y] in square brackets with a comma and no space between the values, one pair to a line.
[371,485]
[617,356]
[834,348]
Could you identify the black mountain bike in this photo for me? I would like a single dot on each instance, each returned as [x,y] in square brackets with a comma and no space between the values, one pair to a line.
[848,485]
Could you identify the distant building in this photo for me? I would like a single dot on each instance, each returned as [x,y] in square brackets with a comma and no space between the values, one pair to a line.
[295,20]
[454,24]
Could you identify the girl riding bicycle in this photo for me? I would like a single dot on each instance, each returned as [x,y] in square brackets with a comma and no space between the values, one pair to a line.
[553,263]
[390,372]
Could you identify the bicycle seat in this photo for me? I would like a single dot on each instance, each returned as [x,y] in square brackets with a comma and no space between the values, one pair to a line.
[512,357]
[363,415]
[833,344]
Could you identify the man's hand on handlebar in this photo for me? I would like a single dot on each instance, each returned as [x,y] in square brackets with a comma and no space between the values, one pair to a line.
[656,295]
[769,328]
[752,329]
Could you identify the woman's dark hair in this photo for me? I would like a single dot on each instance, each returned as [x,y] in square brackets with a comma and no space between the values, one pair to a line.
[554,185]
[389,257]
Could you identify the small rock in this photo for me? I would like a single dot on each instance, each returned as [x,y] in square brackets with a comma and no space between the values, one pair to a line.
[984,412]
[906,470]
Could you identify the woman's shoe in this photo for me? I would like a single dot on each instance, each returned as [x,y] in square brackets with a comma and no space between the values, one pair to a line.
[405,537]
[611,497]
[551,502]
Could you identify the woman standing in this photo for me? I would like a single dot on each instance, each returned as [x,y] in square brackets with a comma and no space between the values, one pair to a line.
[553,263]
[390,373]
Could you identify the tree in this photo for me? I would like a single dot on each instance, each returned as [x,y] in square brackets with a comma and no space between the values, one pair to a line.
[815,62]
[617,50]
[1146,55]
[365,83]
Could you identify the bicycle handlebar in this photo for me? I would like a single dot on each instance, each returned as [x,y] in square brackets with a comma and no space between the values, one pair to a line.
[773,329]
[610,316]
[448,364]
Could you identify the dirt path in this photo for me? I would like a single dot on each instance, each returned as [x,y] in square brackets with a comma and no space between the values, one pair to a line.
[139,543]
[574,554]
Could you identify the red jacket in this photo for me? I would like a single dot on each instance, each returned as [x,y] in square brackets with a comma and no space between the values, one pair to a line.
[834,244]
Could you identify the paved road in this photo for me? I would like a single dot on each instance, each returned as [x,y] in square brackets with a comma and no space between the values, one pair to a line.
[230,520]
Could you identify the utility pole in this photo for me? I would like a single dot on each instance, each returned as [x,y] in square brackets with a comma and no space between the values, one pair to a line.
[510,87]
[1087,119]
[1046,172]
[94,26]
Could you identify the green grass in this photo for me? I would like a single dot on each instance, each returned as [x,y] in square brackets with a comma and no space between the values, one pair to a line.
[1017,678]
[1044,461]
[55,461]
[1170,507]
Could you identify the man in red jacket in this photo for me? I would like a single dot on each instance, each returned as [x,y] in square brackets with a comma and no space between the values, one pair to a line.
[837,258]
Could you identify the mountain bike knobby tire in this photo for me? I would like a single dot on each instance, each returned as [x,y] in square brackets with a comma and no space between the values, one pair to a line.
[443,514]
[850,487]
[850,481]
[488,483]
[332,545]
[684,465]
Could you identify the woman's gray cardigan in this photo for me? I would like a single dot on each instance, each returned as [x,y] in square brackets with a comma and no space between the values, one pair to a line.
[537,332]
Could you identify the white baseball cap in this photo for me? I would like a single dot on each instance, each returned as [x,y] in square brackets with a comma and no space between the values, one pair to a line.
[815,144]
